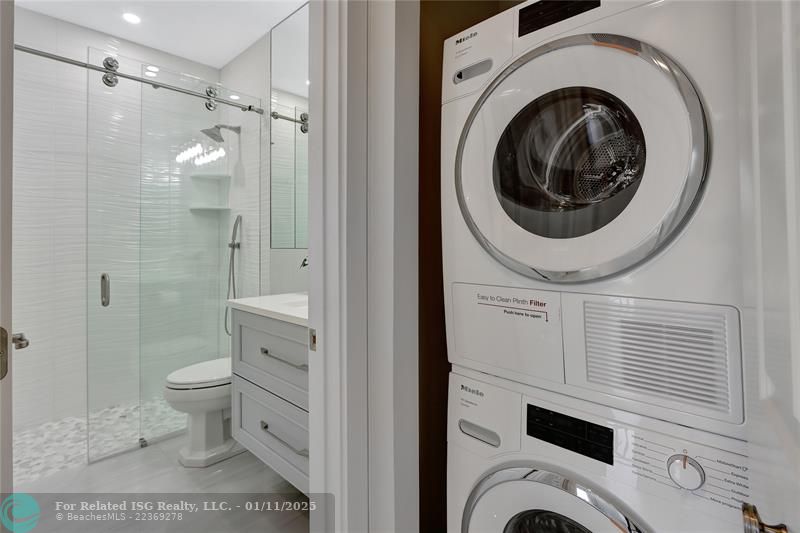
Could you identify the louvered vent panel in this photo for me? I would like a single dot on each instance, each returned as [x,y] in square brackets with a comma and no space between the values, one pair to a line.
[676,356]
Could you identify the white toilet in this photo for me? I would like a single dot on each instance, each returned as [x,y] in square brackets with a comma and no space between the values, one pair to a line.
[203,391]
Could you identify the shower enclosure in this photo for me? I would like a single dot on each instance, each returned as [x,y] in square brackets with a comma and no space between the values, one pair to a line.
[160,173]
[167,174]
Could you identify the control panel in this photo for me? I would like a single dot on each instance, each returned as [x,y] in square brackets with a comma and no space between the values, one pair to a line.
[703,476]
[714,475]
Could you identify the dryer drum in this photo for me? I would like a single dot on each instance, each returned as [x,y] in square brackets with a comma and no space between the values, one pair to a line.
[607,167]
[567,151]
[539,521]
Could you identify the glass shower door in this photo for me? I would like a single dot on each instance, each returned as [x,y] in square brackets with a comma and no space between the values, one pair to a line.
[113,211]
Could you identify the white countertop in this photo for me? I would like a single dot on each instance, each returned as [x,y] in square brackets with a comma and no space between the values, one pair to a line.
[291,307]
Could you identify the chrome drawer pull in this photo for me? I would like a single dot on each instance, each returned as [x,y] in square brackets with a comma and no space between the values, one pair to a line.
[265,427]
[265,353]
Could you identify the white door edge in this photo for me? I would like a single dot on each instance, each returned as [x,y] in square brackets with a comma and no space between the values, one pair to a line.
[6,136]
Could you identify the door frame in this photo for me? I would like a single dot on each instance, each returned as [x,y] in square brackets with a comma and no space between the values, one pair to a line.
[363,242]
[6,190]
[338,264]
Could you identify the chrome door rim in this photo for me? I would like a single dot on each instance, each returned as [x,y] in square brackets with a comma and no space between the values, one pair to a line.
[619,518]
[695,180]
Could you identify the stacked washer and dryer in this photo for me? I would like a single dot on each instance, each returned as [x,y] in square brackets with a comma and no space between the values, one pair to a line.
[593,273]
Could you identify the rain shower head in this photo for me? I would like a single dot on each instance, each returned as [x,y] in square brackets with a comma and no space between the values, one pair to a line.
[215,133]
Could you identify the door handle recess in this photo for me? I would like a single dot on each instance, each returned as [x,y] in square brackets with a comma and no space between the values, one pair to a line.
[265,428]
[479,432]
[105,289]
[265,353]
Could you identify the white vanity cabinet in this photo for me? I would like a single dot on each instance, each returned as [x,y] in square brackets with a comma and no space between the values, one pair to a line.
[270,381]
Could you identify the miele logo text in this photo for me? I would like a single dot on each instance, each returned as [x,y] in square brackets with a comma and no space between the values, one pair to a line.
[466,37]
[470,390]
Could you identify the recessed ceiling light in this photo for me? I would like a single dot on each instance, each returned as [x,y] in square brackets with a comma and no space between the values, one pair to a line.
[152,68]
[151,74]
[308,82]
[131,18]
[234,97]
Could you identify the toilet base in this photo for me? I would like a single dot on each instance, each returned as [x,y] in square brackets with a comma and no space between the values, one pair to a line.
[202,459]
[209,439]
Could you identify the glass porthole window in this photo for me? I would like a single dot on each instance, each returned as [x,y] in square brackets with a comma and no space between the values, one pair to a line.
[569,162]
[539,521]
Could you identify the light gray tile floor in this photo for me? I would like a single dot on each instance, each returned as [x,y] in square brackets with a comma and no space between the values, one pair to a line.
[42,451]
[155,469]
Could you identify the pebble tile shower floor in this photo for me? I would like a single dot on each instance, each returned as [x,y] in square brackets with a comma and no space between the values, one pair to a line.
[55,446]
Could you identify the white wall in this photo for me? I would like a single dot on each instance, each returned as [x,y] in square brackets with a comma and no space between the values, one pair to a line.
[50,180]
[393,244]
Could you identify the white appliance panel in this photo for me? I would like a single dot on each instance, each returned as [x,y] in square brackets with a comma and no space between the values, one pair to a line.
[512,328]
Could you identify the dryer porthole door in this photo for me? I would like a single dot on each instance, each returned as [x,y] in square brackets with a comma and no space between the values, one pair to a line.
[541,502]
[582,158]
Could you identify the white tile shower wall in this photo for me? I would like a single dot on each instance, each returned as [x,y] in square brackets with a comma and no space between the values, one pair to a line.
[248,72]
[50,196]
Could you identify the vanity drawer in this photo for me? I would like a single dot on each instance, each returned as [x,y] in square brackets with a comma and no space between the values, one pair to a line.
[273,429]
[272,354]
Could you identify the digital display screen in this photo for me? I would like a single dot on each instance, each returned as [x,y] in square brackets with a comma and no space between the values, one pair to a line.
[571,433]
[542,14]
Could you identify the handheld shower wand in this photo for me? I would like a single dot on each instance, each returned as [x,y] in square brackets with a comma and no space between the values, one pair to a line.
[233,245]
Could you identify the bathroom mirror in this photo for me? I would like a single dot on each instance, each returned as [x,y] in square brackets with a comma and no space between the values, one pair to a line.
[289,124]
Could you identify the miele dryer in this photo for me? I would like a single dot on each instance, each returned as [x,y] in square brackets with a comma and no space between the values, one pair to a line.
[593,204]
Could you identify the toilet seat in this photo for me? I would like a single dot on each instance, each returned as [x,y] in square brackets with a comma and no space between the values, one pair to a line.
[208,374]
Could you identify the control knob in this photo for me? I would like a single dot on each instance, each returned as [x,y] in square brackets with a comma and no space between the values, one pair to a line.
[685,472]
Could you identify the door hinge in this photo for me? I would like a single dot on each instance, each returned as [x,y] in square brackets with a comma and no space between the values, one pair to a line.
[312,339]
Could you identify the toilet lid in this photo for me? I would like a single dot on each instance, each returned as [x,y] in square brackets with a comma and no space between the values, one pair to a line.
[206,374]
